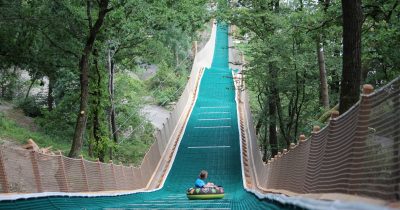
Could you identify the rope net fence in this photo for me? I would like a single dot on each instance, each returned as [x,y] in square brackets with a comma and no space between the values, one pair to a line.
[24,171]
[32,172]
[356,153]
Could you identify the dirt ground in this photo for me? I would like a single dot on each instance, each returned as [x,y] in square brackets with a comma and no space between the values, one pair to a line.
[157,115]
[17,115]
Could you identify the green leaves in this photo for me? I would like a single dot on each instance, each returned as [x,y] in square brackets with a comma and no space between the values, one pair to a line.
[167,84]
[46,38]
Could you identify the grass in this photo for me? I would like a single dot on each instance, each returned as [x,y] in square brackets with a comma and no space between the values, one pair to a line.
[13,132]
[129,152]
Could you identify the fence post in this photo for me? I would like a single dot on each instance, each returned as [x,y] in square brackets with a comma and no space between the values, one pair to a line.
[133,177]
[396,141]
[334,114]
[332,133]
[113,173]
[302,138]
[100,174]
[84,175]
[361,132]
[64,181]
[36,172]
[292,146]
[124,184]
[194,48]
[3,175]
[316,129]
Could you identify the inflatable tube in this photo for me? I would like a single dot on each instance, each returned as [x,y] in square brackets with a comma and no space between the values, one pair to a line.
[205,193]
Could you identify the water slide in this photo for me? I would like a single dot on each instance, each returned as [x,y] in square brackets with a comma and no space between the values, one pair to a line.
[210,142]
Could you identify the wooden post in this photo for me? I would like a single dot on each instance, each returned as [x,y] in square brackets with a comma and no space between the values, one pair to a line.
[360,139]
[302,138]
[100,174]
[64,181]
[316,129]
[194,48]
[3,175]
[367,89]
[113,173]
[123,176]
[133,177]
[334,114]
[396,142]
[84,175]
[36,172]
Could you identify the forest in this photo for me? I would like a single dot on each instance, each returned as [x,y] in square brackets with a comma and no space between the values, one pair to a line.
[303,59]
[94,65]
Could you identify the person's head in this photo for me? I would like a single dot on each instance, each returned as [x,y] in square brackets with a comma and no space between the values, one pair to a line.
[203,174]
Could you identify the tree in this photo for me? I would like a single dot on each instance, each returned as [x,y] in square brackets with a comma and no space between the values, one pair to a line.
[77,141]
[48,39]
[281,67]
[351,72]
[324,90]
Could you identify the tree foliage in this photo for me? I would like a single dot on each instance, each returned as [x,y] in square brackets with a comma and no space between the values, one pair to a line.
[279,41]
[55,40]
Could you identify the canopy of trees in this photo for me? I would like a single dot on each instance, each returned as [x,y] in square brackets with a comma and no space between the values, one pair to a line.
[86,49]
[303,58]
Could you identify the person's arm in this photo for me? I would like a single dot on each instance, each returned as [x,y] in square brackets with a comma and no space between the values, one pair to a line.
[209,185]
[200,183]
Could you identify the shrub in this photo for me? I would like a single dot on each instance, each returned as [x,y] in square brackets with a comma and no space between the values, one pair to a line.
[30,107]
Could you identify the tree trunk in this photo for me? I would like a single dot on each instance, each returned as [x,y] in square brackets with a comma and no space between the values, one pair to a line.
[84,80]
[50,98]
[273,138]
[96,114]
[283,130]
[301,5]
[259,124]
[276,5]
[91,144]
[97,132]
[33,80]
[351,72]
[261,118]
[265,144]
[300,104]
[113,124]
[323,82]
[111,94]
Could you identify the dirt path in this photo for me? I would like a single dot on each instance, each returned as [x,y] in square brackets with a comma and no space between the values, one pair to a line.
[17,115]
[157,115]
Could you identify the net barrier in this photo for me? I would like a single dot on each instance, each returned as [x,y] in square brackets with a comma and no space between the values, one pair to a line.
[357,153]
